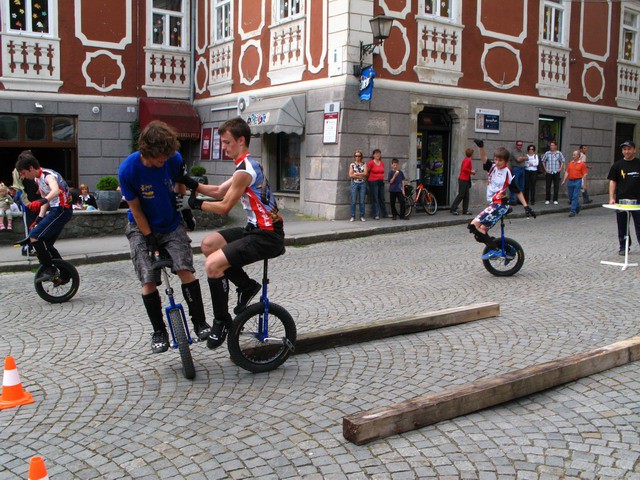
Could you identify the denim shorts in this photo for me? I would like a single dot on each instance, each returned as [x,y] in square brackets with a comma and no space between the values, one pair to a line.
[177,243]
[490,215]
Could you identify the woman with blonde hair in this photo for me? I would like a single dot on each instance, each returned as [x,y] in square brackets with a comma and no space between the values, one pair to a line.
[357,188]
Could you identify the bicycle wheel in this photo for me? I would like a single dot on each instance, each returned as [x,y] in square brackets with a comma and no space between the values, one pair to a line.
[509,263]
[62,286]
[408,206]
[248,347]
[429,202]
[175,317]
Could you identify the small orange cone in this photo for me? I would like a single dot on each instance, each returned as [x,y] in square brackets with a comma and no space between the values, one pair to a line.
[37,470]
[13,394]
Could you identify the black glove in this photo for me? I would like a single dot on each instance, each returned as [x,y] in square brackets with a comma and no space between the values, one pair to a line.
[152,243]
[187,181]
[478,142]
[529,211]
[194,203]
[189,219]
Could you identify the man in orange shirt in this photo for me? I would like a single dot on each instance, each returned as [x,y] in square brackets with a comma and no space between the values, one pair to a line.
[575,172]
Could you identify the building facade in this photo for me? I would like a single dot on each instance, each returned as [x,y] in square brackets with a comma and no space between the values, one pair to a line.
[79,78]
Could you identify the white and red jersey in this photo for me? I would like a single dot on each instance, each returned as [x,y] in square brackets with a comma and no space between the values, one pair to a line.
[498,182]
[260,213]
[62,200]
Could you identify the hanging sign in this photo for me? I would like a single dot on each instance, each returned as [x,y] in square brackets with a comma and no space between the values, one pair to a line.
[331,115]
[487,121]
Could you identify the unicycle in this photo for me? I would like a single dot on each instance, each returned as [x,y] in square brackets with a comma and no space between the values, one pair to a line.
[180,335]
[511,257]
[262,336]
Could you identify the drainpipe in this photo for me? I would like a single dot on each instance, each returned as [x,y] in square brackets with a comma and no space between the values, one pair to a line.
[192,39]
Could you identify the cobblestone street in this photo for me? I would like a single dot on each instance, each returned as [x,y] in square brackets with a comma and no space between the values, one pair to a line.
[105,407]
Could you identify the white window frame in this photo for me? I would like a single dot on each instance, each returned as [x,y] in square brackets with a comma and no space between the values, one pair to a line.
[222,7]
[635,30]
[557,7]
[437,5]
[52,18]
[167,14]
[290,16]
[454,12]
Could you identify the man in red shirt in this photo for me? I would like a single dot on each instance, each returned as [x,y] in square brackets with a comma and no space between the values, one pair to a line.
[464,184]
[575,172]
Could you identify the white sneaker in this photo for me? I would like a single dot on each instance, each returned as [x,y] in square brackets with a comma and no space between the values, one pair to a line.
[547,202]
[362,219]
[351,219]
[555,202]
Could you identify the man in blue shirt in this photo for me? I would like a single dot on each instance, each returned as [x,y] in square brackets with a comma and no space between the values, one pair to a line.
[146,180]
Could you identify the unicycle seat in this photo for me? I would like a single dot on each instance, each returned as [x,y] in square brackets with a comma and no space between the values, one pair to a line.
[162,259]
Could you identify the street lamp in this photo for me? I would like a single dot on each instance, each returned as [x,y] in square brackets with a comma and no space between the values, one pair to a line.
[380,27]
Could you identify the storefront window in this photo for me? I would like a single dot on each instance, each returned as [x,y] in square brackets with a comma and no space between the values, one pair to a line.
[8,128]
[35,129]
[549,128]
[288,163]
[63,129]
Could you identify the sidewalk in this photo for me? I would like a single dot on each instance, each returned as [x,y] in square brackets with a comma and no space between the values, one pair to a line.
[299,230]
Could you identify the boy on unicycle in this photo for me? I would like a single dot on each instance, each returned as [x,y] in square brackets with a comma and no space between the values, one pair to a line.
[147,182]
[54,192]
[500,178]
[228,250]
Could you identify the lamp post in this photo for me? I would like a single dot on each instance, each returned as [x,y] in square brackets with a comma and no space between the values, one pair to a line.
[380,27]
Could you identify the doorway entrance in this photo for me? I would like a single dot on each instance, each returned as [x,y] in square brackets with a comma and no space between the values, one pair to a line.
[624,132]
[433,155]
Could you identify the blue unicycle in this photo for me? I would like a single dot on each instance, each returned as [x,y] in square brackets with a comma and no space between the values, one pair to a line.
[177,320]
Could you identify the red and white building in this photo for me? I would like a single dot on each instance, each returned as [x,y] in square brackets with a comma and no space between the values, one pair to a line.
[76,75]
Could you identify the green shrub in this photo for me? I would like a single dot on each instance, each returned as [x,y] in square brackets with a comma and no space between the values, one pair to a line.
[107,183]
[197,170]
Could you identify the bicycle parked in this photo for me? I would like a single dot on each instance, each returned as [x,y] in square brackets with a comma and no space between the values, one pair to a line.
[508,259]
[263,335]
[421,198]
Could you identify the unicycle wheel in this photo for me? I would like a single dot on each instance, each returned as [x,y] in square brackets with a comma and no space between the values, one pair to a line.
[62,286]
[177,325]
[255,350]
[507,264]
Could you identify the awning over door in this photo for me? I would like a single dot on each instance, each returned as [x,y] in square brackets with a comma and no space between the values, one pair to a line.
[277,115]
[180,114]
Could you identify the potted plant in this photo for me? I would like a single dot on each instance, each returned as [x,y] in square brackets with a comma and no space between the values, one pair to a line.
[107,195]
[198,173]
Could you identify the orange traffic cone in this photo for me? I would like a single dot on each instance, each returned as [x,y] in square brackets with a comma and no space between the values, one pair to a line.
[37,470]
[13,394]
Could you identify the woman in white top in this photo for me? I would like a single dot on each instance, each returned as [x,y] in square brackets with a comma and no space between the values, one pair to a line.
[357,187]
[531,175]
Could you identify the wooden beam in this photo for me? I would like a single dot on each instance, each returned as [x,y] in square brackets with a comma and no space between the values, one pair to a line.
[425,410]
[388,328]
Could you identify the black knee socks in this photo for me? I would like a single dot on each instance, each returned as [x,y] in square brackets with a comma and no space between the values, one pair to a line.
[237,276]
[193,296]
[153,305]
[219,288]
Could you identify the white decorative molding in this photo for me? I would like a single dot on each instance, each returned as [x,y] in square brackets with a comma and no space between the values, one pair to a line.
[487,78]
[503,36]
[600,70]
[553,71]
[220,63]
[101,88]
[628,85]
[394,13]
[439,51]
[201,63]
[316,68]
[243,79]
[201,49]
[30,62]
[407,51]
[124,41]
[253,33]
[607,23]
[168,73]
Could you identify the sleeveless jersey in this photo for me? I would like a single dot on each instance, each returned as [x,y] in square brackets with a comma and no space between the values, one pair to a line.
[498,182]
[62,200]
[261,207]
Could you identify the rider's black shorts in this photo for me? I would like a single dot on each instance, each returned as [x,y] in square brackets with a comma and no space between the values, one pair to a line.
[250,244]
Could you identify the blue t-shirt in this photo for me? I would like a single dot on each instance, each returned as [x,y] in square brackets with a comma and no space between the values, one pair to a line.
[396,186]
[154,188]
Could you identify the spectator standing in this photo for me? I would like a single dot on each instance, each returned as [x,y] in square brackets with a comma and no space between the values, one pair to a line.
[531,175]
[464,184]
[553,162]
[518,160]
[396,189]
[624,182]
[358,185]
[585,193]
[375,175]
[575,173]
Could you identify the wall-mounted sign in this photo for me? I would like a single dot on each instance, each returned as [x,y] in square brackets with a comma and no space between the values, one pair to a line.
[205,145]
[487,121]
[331,116]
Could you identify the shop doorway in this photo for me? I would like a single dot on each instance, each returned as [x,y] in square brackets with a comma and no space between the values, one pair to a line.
[433,155]
[549,128]
[624,131]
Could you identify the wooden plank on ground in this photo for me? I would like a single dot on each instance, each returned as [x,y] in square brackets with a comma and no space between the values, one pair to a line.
[388,328]
[425,410]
